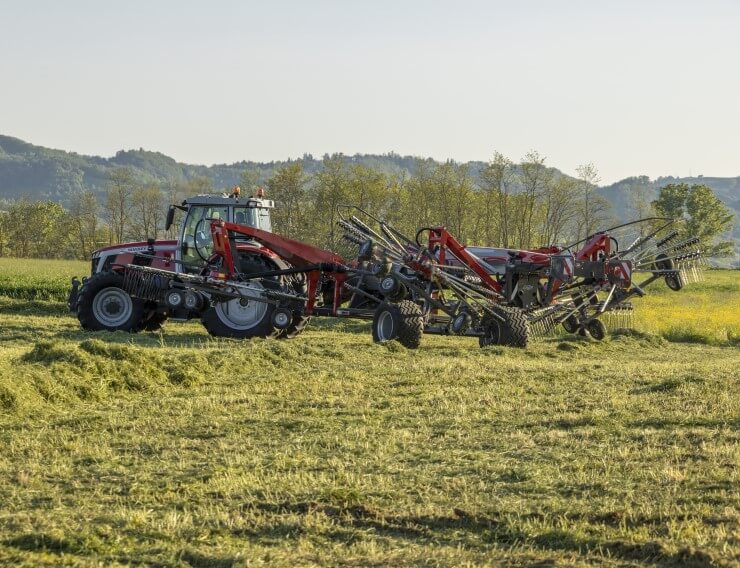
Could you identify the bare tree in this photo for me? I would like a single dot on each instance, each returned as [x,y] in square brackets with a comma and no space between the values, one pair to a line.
[495,181]
[119,190]
[535,178]
[83,214]
[593,208]
[147,211]
[559,210]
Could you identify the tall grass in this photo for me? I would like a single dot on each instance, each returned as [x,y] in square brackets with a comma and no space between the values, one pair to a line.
[39,279]
[706,312]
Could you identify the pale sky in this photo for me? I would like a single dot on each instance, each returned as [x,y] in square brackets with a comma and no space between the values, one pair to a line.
[636,87]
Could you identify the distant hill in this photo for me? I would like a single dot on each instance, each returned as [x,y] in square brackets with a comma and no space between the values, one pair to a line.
[44,173]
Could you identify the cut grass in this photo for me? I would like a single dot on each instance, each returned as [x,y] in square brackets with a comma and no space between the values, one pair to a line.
[177,449]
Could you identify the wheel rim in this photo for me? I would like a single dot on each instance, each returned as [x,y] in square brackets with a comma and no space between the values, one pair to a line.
[282,319]
[237,316]
[112,307]
[385,326]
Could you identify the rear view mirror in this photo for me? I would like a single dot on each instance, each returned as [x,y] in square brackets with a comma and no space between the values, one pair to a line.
[170,218]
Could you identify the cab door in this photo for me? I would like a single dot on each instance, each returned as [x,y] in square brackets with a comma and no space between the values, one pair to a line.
[196,243]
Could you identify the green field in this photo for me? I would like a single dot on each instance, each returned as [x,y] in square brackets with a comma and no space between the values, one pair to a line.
[174,449]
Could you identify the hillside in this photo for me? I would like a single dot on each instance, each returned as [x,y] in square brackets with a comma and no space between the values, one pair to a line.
[44,173]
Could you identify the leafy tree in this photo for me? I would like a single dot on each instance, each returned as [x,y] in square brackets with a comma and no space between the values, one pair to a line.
[535,178]
[671,200]
[701,212]
[288,189]
[331,189]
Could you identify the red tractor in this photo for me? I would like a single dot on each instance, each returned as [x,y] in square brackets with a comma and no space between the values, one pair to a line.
[102,303]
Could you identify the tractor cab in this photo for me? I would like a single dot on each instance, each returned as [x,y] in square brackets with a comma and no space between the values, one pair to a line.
[195,244]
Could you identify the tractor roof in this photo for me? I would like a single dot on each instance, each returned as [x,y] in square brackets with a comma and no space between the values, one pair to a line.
[228,201]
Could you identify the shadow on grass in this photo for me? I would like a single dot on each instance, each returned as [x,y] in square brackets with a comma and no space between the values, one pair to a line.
[446,530]
[691,422]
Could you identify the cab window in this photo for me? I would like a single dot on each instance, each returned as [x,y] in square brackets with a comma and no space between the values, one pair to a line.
[197,232]
[245,216]
[264,219]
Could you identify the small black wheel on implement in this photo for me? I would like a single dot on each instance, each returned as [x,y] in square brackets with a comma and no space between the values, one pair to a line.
[673,281]
[103,304]
[298,324]
[392,288]
[507,327]
[596,329]
[403,321]
[570,324]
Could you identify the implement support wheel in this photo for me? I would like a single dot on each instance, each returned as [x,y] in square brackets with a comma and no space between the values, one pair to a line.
[403,322]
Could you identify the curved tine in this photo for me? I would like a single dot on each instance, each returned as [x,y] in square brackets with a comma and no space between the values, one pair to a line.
[646,219]
[388,233]
[364,227]
[361,210]
[642,240]
[377,236]
[399,234]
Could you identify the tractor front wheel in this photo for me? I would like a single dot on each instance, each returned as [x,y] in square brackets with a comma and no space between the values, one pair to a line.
[403,321]
[103,304]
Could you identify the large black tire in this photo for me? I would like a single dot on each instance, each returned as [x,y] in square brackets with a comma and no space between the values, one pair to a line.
[509,328]
[403,322]
[241,319]
[103,304]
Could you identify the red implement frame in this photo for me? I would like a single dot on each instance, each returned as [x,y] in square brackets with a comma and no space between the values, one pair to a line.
[440,240]
[301,255]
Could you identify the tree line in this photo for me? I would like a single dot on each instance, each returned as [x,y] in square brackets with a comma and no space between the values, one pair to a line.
[516,205]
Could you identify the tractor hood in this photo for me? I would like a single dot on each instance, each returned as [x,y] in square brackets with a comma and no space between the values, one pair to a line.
[134,247]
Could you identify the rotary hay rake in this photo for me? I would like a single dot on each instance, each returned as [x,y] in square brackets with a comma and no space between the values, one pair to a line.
[576,286]
[461,298]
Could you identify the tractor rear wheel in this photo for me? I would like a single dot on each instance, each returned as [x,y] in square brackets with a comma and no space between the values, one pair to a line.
[103,304]
[241,318]
[403,322]
[509,328]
